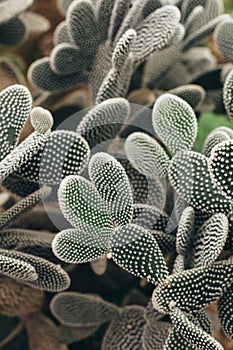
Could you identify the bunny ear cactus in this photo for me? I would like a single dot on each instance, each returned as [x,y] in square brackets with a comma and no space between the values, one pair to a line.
[40,273]
[205,23]
[81,315]
[185,289]
[104,121]
[82,26]
[159,64]
[146,155]
[228,94]
[126,331]
[66,52]
[135,46]
[113,185]
[24,237]
[93,34]
[128,243]
[17,269]
[41,75]
[193,94]
[175,123]
[149,39]
[210,240]
[164,214]
[104,12]
[119,11]
[20,155]
[101,213]
[61,36]
[23,206]
[185,231]
[225,311]
[41,120]
[192,333]
[182,62]
[63,153]
[202,242]
[16,103]
[74,309]
[63,5]
[117,81]
[190,175]
[19,186]
[83,206]
[168,112]
[213,139]
[189,5]
[222,37]
[75,247]
[221,168]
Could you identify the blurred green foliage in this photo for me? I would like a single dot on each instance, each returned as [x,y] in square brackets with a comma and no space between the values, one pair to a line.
[228,5]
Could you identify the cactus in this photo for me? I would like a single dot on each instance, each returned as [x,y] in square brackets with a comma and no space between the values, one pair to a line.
[128,202]
[94,208]
[87,29]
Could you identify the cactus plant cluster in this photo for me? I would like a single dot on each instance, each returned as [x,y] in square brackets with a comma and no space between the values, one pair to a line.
[114,211]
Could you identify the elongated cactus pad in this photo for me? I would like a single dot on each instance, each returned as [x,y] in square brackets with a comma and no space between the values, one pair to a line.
[41,120]
[75,247]
[228,94]
[213,139]
[82,26]
[169,114]
[104,121]
[190,175]
[83,206]
[221,166]
[149,38]
[22,154]
[225,311]
[15,102]
[210,239]
[112,183]
[77,309]
[185,230]
[136,250]
[16,269]
[41,75]
[192,333]
[185,289]
[222,36]
[126,331]
[50,277]
[64,153]
[22,206]
[146,155]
